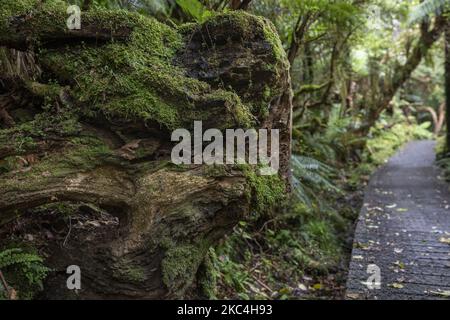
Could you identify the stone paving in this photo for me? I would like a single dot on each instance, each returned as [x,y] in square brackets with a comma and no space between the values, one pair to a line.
[401,248]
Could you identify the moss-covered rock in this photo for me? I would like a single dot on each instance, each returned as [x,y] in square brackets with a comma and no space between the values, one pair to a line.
[266,191]
[97,126]
[180,265]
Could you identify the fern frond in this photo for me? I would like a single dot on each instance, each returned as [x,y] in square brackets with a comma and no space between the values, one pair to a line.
[24,265]
[427,9]
[311,176]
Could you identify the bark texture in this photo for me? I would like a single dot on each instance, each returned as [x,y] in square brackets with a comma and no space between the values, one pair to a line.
[91,126]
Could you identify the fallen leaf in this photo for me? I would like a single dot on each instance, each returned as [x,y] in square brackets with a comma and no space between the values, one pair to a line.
[396,285]
[445,240]
[284,291]
[354,296]
[302,287]
[442,293]
[317,286]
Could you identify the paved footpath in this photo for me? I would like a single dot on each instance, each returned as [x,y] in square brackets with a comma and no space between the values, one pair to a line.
[403,230]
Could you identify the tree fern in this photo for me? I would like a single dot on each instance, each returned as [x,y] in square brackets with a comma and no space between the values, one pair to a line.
[16,256]
[311,176]
[427,9]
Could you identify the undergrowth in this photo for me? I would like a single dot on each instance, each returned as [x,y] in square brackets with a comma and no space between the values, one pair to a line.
[443,157]
[24,272]
[302,251]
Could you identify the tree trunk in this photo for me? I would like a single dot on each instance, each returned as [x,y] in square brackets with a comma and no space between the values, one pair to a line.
[401,73]
[447,82]
[93,128]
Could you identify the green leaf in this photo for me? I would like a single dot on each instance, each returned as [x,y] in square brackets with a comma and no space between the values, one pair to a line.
[195,9]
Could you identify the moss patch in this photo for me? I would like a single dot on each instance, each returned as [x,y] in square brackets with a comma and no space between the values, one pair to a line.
[180,265]
[266,191]
[127,271]
[134,79]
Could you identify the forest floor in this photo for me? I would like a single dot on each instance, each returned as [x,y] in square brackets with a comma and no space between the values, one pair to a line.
[404,229]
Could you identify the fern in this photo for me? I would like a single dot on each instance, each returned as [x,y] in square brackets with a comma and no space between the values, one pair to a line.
[427,9]
[26,269]
[311,176]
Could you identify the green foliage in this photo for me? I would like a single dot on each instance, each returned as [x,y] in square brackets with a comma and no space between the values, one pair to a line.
[443,157]
[267,191]
[384,143]
[270,262]
[444,163]
[386,138]
[208,275]
[179,265]
[24,271]
[195,9]
[426,9]
[347,54]
[135,79]
[311,176]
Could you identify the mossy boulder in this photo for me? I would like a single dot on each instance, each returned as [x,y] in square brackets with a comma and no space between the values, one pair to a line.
[92,125]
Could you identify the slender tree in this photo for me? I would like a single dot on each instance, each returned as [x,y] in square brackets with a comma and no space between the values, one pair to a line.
[447,80]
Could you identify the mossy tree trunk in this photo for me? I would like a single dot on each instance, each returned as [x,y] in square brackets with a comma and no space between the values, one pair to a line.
[92,125]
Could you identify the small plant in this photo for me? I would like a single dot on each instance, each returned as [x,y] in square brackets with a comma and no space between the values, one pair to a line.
[195,9]
[24,271]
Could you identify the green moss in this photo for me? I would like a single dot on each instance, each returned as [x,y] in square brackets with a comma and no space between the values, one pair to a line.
[272,37]
[48,91]
[267,191]
[208,276]
[49,17]
[8,164]
[180,265]
[276,65]
[138,79]
[42,21]
[82,154]
[49,123]
[245,24]
[187,28]
[216,170]
[126,270]
[12,8]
